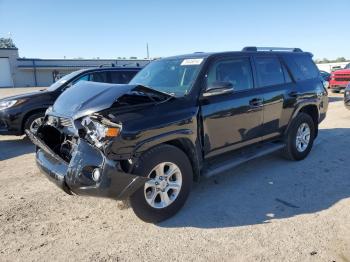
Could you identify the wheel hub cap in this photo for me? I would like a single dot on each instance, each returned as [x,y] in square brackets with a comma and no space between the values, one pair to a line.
[303,137]
[164,186]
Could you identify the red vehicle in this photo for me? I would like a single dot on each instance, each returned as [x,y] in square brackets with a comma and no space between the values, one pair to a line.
[340,79]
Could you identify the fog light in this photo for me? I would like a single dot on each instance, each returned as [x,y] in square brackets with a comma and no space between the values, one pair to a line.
[96,174]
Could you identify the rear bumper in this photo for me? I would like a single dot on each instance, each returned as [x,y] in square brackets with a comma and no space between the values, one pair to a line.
[76,176]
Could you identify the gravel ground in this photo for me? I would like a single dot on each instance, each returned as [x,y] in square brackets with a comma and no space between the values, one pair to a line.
[269,209]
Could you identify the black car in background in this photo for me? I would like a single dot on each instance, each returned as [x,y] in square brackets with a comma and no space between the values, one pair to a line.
[26,111]
[178,119]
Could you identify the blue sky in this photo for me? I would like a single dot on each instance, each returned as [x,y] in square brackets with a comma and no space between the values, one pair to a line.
[108,29]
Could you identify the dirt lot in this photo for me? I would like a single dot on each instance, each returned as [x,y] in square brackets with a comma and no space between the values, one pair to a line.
[269,209]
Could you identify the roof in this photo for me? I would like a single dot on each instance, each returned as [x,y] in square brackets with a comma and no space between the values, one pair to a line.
[249,51]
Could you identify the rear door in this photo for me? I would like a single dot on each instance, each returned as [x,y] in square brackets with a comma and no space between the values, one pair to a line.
[231,120]
[276,88]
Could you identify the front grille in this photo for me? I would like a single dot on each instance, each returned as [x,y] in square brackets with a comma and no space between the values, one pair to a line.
[66,122]
[342,79]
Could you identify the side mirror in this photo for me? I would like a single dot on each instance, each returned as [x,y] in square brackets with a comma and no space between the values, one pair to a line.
[218,88]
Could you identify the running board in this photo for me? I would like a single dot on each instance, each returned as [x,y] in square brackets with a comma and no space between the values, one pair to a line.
[234,159]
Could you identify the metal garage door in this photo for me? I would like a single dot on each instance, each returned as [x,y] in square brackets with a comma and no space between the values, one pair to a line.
[5,73]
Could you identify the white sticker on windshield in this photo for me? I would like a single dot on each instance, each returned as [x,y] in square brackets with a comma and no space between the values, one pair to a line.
[196,61]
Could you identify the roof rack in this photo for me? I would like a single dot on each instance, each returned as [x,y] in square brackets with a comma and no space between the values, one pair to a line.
[255,49]
[107,65]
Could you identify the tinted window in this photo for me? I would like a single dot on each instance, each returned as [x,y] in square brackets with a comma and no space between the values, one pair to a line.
[302,67]
[84,77]
[121,77]
[306,66]
[269,71]
[99,77]
[236,71]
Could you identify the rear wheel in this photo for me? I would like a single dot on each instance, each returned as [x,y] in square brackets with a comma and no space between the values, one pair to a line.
[170,174]
[33,122]
[300,137]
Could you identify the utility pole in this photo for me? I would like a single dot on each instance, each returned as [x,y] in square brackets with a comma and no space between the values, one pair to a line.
[147,51]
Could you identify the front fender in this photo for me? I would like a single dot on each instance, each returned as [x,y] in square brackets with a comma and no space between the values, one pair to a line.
[163,138]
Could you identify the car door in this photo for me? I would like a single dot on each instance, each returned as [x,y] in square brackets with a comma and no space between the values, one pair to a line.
[276,87]
[231,120]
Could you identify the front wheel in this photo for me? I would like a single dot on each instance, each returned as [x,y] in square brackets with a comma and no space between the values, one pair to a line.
[300,137]
[34,122]
[170,173]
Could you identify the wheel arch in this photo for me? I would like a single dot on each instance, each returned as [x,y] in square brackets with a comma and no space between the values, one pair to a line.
[30,113]
[182,139]
[309,108]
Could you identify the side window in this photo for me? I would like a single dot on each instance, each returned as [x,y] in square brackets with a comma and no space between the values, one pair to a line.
[84,77]
[237,71]
[99,77]
[301,66]
[269,71]
[306,66]
[122,77]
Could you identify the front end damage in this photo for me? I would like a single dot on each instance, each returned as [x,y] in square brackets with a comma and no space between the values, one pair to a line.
[74,142]
[78,167]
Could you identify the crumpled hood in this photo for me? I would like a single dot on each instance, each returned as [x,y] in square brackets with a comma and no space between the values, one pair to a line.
[86,97]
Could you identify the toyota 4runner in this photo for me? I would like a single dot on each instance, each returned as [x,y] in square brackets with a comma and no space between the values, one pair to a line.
[179,119]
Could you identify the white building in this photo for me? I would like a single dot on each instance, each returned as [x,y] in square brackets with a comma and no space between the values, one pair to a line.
[22,72]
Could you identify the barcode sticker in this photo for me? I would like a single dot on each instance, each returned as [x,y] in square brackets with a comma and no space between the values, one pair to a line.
[196,61]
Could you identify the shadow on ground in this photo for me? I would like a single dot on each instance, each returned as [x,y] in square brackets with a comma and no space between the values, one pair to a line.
[335,98]
[272,188]
[13,148]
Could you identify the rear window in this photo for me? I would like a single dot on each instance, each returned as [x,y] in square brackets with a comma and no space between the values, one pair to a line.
[302,67]
[269,71]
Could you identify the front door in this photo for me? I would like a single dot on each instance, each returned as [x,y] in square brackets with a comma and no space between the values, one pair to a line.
[231,120]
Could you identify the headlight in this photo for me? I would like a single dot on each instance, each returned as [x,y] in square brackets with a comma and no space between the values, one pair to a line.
[10,103]
[99,130]
[48,110]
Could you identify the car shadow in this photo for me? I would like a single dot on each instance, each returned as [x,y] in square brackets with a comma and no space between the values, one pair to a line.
[335,98]
[271,188]
[15,147]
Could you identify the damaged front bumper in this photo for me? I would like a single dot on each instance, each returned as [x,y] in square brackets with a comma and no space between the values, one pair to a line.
[77,175]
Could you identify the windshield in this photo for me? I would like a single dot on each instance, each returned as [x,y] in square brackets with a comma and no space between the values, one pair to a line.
[172,76]
[63,80]
[347,66]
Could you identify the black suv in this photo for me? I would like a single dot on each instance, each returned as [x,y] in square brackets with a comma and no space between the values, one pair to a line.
[180,118]
[26,111]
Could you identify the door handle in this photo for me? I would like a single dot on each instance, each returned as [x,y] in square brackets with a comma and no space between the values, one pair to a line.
[256,102]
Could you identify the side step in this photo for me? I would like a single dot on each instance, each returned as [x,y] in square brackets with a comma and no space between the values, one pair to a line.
[233,159]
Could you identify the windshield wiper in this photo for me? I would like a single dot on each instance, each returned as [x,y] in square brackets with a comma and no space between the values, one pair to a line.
[147,89]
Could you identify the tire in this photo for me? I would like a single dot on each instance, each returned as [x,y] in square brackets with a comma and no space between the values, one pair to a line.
[30,120]
[292,151]
[153,211]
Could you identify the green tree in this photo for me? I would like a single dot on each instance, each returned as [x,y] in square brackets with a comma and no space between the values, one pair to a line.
[6,43]
[340,59]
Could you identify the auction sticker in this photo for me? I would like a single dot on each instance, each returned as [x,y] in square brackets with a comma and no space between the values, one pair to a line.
[196,61]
